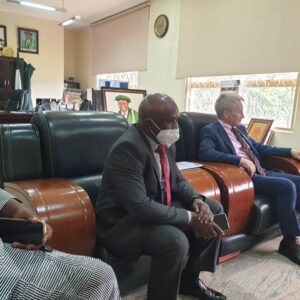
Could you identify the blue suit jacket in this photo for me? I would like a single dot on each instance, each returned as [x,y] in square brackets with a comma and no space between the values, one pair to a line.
[216,146]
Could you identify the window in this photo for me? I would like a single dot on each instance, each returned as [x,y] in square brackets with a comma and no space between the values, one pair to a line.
[267,96]
[122,80]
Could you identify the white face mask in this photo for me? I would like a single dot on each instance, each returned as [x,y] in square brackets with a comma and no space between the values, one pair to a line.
[167,137]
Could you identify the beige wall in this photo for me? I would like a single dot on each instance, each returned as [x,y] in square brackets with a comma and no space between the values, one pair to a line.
[78,57]
[84,53]
[47,79]
[70,46]
[162,57]
[53,64]
[161,61]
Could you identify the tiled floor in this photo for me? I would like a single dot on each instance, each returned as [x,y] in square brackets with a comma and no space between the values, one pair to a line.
[258,274]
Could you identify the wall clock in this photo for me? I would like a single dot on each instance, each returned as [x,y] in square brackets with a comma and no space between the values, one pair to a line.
[161,26]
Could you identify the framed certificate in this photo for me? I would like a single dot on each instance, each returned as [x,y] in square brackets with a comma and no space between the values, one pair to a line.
[259,129]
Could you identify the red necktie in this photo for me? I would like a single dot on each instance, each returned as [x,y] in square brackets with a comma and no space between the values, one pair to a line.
[164,166]
[248,151]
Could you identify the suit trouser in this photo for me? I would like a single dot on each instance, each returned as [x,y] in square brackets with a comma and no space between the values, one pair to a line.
[172,249]
[285,190]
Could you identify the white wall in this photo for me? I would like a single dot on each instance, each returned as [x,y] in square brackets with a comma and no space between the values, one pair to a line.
[47,79]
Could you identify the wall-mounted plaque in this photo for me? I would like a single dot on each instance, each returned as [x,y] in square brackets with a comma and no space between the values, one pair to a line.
[259,129]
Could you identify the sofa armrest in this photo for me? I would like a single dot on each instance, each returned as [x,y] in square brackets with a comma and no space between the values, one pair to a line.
[286,164]
[203,182]
[237,193]
[65,206]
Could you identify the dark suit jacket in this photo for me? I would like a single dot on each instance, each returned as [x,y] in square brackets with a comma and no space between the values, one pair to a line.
[216,146]
[131,196]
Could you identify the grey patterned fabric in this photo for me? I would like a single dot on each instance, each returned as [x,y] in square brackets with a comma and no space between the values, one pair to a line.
[4,197]
[38,275]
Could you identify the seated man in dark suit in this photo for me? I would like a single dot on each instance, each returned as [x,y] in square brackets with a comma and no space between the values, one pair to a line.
[146,207]
[227,141]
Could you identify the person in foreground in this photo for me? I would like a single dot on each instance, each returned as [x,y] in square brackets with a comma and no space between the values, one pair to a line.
[227,141]
[27,272]
[146,207]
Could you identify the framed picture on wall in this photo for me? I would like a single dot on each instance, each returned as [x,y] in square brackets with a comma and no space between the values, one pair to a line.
[3,39]
[28,40]
[123,101]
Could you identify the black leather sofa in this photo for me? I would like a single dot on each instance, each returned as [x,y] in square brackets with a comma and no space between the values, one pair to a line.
[74,146]
[71,146]
[261,222]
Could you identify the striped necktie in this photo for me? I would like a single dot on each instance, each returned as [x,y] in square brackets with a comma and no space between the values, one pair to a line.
[249,152]
[164,166]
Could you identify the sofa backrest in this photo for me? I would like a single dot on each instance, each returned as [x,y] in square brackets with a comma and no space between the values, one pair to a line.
[190,125]
[20,155]
[75,144]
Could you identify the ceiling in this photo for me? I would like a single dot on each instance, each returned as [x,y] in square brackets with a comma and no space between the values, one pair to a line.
[89,10]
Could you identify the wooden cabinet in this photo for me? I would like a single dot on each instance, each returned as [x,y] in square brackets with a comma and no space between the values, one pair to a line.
[7,77]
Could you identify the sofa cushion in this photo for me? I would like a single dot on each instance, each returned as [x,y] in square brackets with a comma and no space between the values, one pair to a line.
[190,125]
[20,156]
[77,144]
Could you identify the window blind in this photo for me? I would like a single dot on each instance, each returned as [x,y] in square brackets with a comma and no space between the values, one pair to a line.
[120,42]
[236,37]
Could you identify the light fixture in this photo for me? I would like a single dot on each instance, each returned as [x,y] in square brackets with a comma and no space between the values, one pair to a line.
[37,5]
[70,21]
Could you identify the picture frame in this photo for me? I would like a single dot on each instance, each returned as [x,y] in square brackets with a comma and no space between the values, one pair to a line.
[28,40]
[3,35]
[123,101]
[259,129]
[72,98]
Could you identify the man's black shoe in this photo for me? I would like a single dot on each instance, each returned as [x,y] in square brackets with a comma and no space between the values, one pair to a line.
[199,290]
[290,249]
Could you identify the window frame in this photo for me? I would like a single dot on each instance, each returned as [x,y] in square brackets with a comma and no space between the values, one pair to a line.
[252,83]
[118,77]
